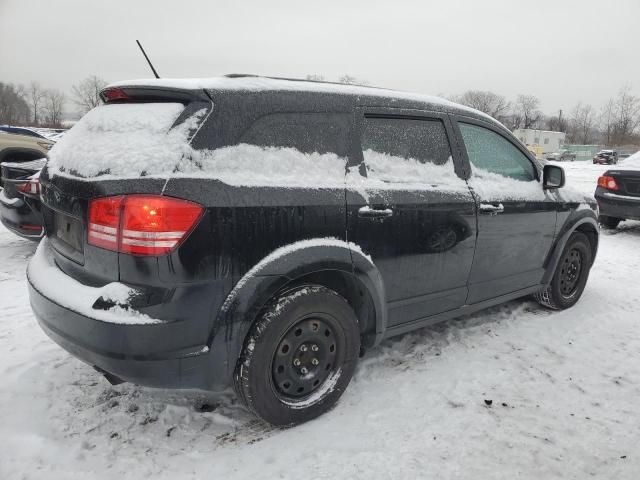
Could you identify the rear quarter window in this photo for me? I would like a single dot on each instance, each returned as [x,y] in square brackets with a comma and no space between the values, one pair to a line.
[306,132]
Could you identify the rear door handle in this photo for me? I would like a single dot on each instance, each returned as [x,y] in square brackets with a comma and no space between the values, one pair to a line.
[491,209]
[368,212]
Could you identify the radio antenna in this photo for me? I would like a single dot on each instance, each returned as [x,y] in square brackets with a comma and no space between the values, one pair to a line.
[148,61]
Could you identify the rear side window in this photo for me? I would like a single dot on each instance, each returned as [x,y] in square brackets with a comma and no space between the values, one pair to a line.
[493,153]
[401,150]
[424,141]
[306,132]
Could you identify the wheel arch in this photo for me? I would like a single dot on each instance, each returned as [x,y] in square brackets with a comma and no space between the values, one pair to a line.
[585,223]
[335,264]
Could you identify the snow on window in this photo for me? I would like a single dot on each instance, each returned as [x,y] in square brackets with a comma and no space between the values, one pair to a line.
[251,165]
[491,186]
[389,169]
[124,140]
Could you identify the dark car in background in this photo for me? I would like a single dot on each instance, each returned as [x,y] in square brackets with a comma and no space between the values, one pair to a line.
[618,196]
[304,223]
[20,198]
[606,157]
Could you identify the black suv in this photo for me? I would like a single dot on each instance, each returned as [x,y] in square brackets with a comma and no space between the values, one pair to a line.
[284,227]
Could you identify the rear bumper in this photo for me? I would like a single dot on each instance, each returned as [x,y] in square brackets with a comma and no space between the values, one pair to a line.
[155,353]
[618,206]
[103,345]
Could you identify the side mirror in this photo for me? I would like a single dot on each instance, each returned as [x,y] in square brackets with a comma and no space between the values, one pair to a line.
[552,177]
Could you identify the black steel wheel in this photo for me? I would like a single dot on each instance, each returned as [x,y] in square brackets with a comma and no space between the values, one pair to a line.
[305,358]
[571,274]
[299,356]
[570,270]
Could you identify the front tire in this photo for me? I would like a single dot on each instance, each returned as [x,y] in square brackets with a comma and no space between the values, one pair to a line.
[571,274]
[299,356]
[609,222]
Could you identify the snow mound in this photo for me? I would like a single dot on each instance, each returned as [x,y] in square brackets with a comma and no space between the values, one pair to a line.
[48,279]
[633,161]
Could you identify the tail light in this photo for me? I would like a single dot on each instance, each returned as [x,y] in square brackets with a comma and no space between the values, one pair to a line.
[141,224]
[31,187]
[114,95]
[608,182]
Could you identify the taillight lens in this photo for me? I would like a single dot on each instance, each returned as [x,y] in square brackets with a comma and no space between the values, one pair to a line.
[153,225]
[32,187]
[608,182]
[141,224]
[104,222]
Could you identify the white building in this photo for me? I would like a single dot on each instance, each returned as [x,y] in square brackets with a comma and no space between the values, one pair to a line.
[548,140]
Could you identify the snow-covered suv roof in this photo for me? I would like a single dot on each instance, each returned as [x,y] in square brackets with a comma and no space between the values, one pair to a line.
[254,83]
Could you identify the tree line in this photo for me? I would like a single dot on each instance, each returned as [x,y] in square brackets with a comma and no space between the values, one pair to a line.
[617,123]
[36,105]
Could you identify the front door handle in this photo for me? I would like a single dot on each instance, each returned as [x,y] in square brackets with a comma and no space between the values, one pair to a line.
[491,208]
[368,212]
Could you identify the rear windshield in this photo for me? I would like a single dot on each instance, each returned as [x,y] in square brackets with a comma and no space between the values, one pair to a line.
[124,140]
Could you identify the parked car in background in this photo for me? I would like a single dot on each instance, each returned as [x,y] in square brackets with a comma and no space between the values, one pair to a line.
[606,157]
[262,233]
[618,193]
[19,148]
[562,156]
[20,131]
[20,207]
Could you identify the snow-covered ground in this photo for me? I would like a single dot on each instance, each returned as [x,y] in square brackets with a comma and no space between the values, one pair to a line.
[512,392]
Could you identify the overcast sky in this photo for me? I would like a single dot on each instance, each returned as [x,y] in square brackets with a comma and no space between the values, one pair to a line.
[562,51]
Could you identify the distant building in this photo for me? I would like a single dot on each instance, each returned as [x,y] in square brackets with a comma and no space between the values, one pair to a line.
[548,140]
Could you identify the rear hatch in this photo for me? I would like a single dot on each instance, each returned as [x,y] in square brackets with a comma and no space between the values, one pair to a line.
[126,146]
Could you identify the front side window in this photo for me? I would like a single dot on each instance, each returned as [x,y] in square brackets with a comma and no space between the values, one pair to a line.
[490,152]
[406,150]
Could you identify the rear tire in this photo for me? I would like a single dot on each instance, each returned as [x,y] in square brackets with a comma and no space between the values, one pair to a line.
[571,275]
[609,222]
[299,356]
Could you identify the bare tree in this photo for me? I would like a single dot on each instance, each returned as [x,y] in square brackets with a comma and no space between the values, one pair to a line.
[582,121]
[35,97]
[13,107]
[627,116]
[53,107]
[86,94]
[488,102]
[557,123]
[527,107]
[607,121]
